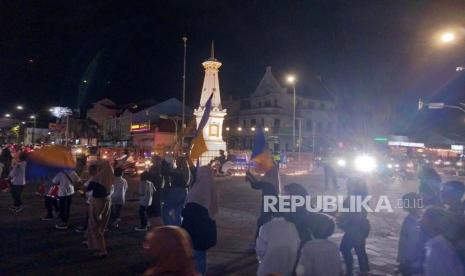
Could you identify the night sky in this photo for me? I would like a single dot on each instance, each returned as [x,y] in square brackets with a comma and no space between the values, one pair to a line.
[375,57]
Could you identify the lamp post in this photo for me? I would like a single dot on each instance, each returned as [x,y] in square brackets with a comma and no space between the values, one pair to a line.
[291,80]
[439,105]
[184,84]
[34,121]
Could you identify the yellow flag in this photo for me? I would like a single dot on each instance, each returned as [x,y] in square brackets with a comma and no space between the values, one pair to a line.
[198,146]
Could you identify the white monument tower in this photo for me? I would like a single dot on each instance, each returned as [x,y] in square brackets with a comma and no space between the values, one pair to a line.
[213,130]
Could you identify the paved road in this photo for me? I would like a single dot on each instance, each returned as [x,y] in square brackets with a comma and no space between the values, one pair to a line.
[29,246]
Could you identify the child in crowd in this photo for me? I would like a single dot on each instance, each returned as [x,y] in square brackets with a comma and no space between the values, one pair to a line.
[319,256]
[277,246]
[118,198]
[92,172]
[146,190]
[451,195]
[408,256]
[356,228]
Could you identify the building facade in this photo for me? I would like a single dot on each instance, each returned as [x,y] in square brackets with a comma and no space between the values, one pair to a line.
[270,106]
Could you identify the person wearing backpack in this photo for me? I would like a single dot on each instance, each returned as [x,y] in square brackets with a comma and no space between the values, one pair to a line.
[146,190]
[65,181]
[199,216]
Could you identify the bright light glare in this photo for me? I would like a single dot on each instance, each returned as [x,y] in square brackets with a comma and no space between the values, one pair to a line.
[459,164]
[19,107]
[447,37]
[8,115]
[389,166]
[447,163]
[365,163]
[290,79]
[341,162]
[266,129]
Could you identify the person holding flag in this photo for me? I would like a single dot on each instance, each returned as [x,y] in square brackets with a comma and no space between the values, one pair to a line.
[269,184]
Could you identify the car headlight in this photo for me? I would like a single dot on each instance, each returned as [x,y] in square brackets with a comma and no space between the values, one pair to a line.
[459,164]
[341,162]
[365,163]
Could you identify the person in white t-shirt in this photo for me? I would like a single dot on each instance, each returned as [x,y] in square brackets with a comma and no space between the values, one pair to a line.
[65,181]
[277,246]
[319,256]
[18,180]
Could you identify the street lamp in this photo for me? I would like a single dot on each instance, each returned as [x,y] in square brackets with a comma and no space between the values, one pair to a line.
[291,80]
[7,115]
[447,37]
[34,121]
[19,107]
[439,105]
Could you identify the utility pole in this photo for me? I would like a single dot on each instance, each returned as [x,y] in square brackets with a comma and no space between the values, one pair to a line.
[184,85]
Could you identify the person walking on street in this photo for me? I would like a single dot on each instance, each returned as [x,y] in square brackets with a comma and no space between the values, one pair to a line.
[50,198]
[99,210]
[409,258]
[65,181]
[18,180]
[176,192]
[92,172]
[5,166]
[146,190]
[199,216]
[118,198]
[356,228]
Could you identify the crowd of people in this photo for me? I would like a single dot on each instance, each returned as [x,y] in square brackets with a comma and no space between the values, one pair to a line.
[431,241]
[178,205]
[175,200]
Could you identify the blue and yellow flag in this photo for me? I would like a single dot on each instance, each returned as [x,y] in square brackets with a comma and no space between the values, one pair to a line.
[261,155]
[198,143]
[49,160]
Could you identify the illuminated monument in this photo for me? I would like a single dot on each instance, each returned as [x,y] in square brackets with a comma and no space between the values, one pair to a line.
[213,131]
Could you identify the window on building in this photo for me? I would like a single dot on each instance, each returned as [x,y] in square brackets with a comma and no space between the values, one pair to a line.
[267,104]
[253,122]
[277,123]
[308,125]
[244,123]
[311,105]
[262,122]
[322,106]
[245,104]
[275,103]
[319,127]
[330,127]
[259,104]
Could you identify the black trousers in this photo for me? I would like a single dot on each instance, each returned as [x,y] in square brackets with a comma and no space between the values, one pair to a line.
[143,215]
[50,204]
[347,244]
[16,191]
[115,212]
[65,206]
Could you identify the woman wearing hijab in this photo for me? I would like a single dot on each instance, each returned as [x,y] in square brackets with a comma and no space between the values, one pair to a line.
[169,251]
[99,208]
[199,216]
